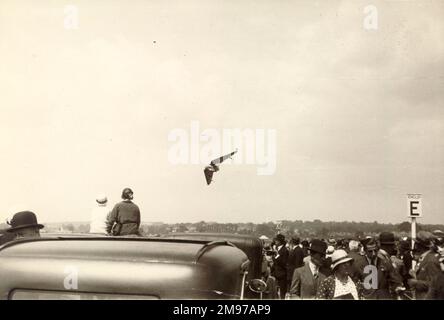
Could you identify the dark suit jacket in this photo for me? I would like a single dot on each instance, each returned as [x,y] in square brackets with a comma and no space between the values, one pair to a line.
[358,260]
[387,278]
[295,260]
[436,290]
[280,264]
[426,271]
[6,237]
[304,285]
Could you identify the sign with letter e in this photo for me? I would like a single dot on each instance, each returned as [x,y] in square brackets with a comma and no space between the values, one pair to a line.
[414,205]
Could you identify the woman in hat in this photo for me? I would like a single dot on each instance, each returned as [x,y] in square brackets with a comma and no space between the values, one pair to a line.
[99,215]
[340,285]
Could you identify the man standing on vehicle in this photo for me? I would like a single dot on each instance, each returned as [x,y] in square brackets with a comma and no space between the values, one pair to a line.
[124,219]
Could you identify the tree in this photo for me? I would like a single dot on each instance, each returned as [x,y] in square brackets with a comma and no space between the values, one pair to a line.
[404,227]
[68,227]
[265,229]
[83,228]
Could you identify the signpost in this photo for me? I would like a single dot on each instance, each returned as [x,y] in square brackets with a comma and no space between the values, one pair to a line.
[414,209]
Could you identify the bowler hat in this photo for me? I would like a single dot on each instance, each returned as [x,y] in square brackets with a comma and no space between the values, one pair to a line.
[101,199]
[318,246]
[387,238]
[280,237]
[24,219]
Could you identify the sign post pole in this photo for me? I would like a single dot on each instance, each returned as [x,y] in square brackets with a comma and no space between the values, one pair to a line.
[414,209]
[413,231]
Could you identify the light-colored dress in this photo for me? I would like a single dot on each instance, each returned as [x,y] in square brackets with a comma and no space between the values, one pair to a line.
[99,217]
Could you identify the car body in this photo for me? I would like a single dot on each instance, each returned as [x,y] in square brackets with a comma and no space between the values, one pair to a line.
[251,245]
[101,267]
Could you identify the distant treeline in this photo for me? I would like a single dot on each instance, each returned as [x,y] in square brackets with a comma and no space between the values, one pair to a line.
[303,229]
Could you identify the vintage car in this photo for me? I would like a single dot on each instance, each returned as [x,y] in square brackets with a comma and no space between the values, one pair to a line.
[252,246]
[101,267]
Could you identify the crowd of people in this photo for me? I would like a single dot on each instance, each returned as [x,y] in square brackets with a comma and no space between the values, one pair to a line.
[376,268]
[122,220]
[371,268]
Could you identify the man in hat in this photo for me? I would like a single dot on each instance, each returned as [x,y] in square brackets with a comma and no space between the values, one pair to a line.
[99,215]
[305,245]
[280,264]
[387,248]
[405,254]
[438,241]
[427,266]
[358,259]
[306,279]
[436,290]
[295,258]
[381,280]
[124,219]
[387,244]
[24,225]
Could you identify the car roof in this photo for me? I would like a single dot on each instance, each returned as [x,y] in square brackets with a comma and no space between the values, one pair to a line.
[109,248]
[251,245]
[167,268]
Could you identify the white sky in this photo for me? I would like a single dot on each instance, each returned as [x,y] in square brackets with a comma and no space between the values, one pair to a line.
[358,113]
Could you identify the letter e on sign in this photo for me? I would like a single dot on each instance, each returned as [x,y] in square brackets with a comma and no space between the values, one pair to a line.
[414,205]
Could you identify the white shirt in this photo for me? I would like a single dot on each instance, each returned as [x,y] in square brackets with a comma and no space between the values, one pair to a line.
[278,248]
[99,216]
[313,268]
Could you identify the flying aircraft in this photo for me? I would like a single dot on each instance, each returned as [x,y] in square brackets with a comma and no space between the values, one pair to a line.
[214,166]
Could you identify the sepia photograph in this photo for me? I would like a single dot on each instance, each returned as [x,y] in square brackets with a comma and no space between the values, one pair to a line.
[196,150]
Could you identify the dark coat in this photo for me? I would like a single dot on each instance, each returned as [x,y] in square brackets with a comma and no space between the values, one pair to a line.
[6,237]
[358,260]
[124,219]
[387,278]
[436,289]
[304,285]
[426,271]
[280,270]
[280,264]
[295,260]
